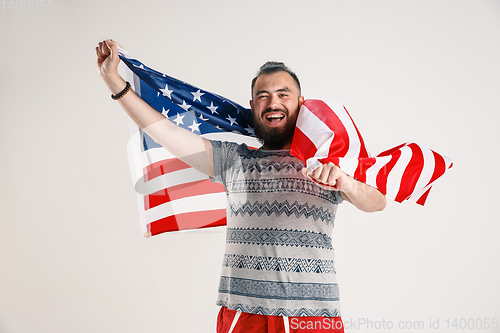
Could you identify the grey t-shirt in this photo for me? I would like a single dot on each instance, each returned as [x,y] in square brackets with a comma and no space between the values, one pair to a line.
[279,259]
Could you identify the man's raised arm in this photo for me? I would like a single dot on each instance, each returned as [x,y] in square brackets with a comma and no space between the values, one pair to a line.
[190,148]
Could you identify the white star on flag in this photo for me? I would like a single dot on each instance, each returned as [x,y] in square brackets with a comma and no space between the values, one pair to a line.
[201,117]
[197,95]
[166,92]
[165,112]
[185,106]
[250,130]
[232,120]
[178,120]
[195,126]
[212,108]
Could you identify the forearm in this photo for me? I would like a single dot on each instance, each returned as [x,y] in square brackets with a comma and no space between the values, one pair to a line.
[185,145]
[362,196]
[188,147]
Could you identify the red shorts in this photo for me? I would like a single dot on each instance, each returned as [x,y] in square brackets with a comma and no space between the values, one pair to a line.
[231,321]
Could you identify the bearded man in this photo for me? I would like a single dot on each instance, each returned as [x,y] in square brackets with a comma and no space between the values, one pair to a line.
[278,272]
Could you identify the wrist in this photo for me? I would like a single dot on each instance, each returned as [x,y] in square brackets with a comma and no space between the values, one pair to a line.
[114,82]
[347,184]
[109,76]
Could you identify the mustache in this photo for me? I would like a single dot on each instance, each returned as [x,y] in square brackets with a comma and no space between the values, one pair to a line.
[269,110]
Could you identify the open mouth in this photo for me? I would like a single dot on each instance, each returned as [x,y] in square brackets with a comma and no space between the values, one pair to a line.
[274,118]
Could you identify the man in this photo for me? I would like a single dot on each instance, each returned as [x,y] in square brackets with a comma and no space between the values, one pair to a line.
[278,271]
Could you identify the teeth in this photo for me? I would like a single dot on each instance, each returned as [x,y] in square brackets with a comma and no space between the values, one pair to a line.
[275,116]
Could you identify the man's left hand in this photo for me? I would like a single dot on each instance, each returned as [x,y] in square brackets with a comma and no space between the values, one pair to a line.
[363,196]
[330,177]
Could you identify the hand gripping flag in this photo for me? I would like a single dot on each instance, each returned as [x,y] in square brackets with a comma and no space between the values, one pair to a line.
[172,196]
[326,133]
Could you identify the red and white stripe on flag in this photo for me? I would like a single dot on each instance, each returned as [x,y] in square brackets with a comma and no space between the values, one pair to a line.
[326,133]
[173,196]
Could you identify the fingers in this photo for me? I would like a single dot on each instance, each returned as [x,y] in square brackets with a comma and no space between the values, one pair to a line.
[326,174]
[111,48]
[98,51]
[115,44]
[103,50]
[304,172]
[103,47]
[107,57]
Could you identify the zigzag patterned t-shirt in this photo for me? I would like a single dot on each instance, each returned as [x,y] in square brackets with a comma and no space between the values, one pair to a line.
[279,259]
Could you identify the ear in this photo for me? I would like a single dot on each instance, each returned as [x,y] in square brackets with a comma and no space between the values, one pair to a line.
[301,100]
[251,103]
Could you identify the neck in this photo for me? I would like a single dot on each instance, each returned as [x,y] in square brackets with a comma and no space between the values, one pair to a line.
[284,147]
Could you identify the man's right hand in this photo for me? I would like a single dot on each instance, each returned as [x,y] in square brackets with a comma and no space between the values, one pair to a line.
[107,59]
[107,65]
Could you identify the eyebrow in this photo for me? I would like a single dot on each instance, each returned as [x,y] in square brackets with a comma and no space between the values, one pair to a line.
[267,92]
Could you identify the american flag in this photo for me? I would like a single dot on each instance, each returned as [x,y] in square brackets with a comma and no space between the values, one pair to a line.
[327,133]
[172,196]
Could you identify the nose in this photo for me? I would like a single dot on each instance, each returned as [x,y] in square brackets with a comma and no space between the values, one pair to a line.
[274,102]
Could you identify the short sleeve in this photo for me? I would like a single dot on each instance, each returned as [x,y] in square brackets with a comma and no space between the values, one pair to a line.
[337,197]
[224,156]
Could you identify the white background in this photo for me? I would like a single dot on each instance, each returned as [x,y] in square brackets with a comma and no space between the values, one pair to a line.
[72,256]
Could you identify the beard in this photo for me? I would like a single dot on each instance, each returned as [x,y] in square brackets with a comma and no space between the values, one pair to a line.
[275,138]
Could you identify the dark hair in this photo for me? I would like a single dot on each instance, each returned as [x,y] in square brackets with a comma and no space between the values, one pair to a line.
[272,67]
